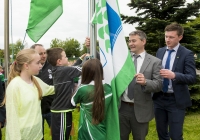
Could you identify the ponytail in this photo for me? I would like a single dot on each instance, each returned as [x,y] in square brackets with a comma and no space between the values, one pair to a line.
[14,71]
[98,103]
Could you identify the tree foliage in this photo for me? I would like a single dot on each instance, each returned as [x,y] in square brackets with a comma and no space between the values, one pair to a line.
[71,46]
[15,48]
[152,17]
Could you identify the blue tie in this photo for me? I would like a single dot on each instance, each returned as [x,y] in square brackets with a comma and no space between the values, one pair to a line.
[167,66]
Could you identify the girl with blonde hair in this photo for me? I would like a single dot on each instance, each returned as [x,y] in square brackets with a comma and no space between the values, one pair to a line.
[23,97]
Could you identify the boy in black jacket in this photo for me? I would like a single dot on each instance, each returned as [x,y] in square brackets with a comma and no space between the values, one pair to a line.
[63,79]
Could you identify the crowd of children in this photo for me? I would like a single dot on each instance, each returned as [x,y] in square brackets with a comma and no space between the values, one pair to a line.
[25,91]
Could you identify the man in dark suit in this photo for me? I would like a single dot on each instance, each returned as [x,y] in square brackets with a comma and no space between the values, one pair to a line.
[178,71]
[136,108]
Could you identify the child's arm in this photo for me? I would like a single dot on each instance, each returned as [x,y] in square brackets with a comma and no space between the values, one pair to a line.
[46,89]
[80,60]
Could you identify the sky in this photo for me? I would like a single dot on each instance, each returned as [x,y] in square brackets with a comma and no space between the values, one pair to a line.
[73,23]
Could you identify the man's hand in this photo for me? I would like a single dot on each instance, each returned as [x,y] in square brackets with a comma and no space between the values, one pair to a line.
[140,79]
[87,42]
[165,73]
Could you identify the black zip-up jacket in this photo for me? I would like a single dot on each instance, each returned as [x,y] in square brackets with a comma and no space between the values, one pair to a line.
[63,81]
[45,75]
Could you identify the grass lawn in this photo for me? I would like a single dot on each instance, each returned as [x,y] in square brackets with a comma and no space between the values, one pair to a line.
[191,128]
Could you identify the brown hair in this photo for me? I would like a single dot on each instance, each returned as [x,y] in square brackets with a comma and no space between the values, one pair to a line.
[93,70]
[53,55]
[23,56]
[175,27]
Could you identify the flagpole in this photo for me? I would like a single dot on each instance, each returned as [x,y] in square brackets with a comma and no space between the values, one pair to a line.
[93,36]
[6,37]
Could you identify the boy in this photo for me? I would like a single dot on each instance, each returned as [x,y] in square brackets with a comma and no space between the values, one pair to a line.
[63,80]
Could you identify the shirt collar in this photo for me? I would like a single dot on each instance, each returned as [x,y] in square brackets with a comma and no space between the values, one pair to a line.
[142,55]
[175,48]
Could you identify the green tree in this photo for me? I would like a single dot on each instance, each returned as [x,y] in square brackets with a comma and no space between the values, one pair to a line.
[153,15]
[1,53]
[71,46]
[196,88]
[56,43]
[15,48]
[84,49]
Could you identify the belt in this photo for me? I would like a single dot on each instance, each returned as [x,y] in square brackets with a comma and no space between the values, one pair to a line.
[166,94]
[128,103]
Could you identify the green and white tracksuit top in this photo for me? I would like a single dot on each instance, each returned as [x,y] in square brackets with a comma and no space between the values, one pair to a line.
[83,95]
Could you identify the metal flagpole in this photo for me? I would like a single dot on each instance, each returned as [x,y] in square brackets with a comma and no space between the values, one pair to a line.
[93,36]
[6,37]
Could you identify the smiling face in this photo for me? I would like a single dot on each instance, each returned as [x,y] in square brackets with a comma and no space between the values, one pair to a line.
[136,45]
[172,38]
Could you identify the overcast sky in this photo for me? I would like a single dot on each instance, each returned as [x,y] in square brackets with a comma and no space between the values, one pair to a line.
[73,23]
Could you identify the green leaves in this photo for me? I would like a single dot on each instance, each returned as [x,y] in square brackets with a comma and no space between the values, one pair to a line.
[71,46]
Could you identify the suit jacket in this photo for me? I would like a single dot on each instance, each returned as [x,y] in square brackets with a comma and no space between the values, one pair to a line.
[185,71]
[143,103]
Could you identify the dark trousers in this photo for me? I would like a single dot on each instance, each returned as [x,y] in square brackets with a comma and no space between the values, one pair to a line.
[61,124]
[46,117]
[128,123]
[169,119]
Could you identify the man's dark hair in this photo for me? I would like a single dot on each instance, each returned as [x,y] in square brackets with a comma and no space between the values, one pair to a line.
[34,45]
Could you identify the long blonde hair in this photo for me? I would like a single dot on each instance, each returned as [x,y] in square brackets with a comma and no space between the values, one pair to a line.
[24,56]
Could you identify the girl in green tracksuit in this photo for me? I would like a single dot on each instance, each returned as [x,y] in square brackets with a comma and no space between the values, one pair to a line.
[94,97]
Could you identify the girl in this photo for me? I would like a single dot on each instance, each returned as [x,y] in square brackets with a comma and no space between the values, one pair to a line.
[23,97]
[94,98]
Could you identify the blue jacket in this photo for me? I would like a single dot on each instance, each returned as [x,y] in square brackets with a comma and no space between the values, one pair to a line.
[185,71]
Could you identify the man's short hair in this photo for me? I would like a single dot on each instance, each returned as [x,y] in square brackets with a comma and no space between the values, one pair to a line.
[175,27]
[53,54]
[34,45]
[140,33]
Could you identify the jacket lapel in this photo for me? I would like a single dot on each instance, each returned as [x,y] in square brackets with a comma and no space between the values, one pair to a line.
[178,54]
[146,62]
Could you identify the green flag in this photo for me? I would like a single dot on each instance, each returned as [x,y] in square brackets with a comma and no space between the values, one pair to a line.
[43,14]
[115,57]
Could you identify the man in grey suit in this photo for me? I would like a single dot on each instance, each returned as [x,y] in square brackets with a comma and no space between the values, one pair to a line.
[136,108]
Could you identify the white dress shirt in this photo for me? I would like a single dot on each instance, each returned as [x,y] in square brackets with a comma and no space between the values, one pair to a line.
[173,55]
